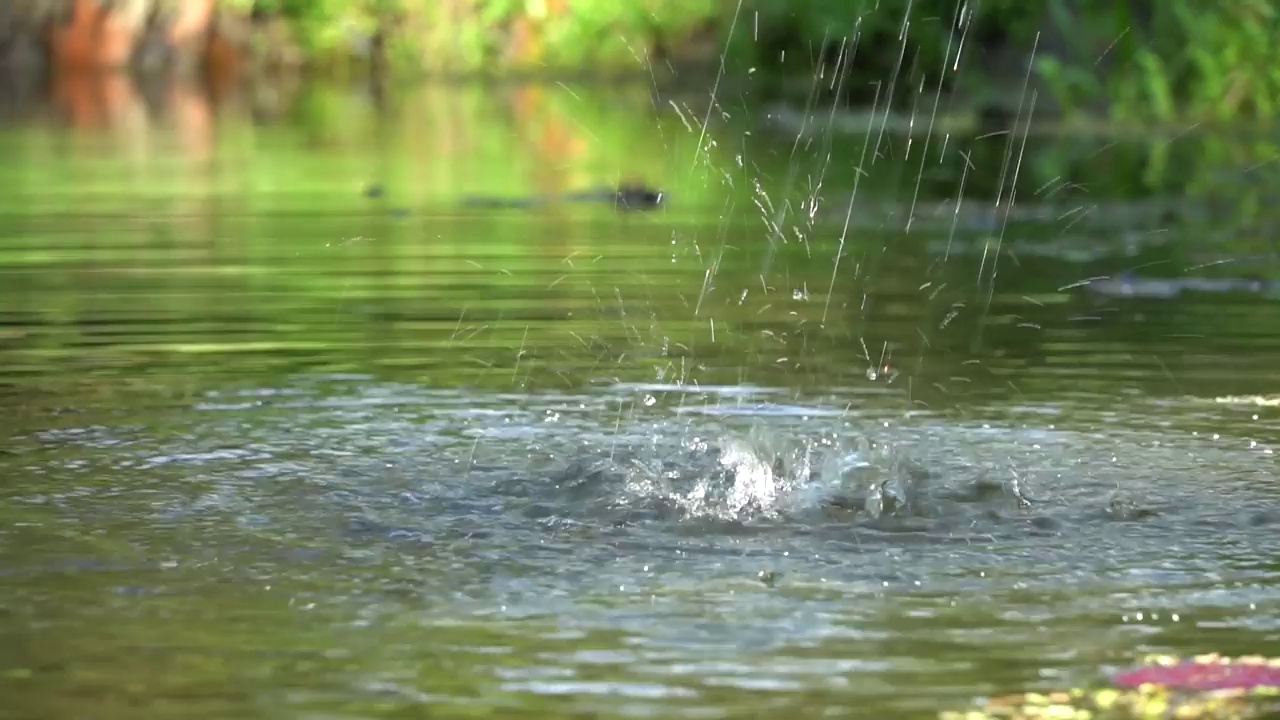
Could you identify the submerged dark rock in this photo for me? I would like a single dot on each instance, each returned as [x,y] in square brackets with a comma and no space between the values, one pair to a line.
[639,197]
[626,197]
[629,196]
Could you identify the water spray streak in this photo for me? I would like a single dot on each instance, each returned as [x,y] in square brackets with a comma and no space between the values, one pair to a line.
[1012,193]
[893,80]
[715,88]
[848,215]
[937,98]
[780,216]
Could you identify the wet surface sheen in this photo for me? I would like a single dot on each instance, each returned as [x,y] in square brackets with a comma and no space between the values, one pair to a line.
[263,462]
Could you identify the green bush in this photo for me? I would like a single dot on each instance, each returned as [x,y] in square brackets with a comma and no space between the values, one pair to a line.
[1139,59]
[1173,59]
[478,35]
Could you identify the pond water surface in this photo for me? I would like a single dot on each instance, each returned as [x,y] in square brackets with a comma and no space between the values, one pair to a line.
[273,448]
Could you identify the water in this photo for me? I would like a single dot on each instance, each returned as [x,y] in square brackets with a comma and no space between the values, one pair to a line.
[274,449]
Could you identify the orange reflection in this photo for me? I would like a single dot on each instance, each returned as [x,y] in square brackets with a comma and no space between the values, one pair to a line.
[94,37]
[556,140]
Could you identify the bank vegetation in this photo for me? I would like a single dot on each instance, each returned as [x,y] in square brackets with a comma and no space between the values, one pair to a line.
[1136,60]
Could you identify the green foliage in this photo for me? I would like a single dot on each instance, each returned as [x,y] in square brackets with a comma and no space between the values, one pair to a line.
[1141,59]
[914,44]
[480,35]
[615,32]
[1169,60]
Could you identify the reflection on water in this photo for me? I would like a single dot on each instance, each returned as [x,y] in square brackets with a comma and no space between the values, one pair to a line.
[273,448]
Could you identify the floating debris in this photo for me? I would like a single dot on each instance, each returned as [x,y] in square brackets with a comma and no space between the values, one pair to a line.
[1206,687]
[1132,286]
[1259,400]
[1205,672]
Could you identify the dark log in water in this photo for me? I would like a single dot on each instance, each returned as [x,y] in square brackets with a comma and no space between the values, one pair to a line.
[625,197]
